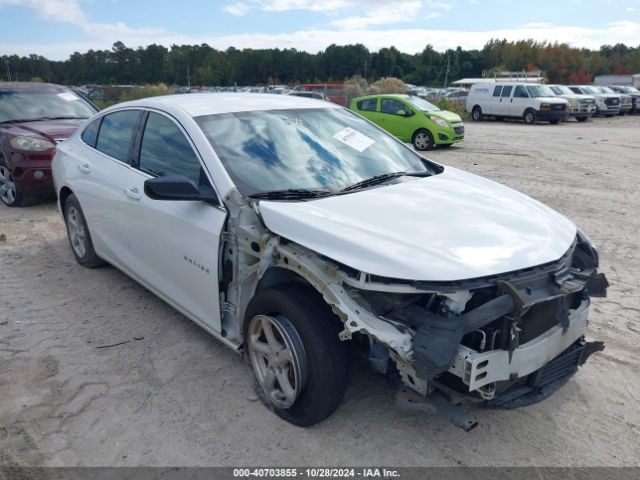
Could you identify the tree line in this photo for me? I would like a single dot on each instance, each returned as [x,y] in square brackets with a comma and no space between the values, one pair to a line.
[204,65]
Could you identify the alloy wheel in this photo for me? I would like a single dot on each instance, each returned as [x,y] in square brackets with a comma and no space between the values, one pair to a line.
[8,191]
[277,359]
[77,232]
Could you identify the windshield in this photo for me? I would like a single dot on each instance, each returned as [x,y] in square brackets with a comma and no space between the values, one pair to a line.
[605,90]
[540,91]
[631,90]
[589,89]
[319,149]
[39,104]
[561,90]
[421,104]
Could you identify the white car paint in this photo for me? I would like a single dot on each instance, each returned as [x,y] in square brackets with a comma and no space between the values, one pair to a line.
[451,226]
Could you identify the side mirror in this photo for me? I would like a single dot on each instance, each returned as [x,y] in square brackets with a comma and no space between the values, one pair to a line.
[404,113]
[178,187]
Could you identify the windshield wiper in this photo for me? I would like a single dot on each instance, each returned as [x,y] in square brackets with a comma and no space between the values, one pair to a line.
[41,119]
[291,194]
[373,181]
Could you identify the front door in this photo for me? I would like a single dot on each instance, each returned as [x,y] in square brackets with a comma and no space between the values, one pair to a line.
[175,243]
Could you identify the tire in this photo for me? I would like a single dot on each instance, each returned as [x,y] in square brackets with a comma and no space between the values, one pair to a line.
[10,193]
[529,117]
[554,121]
[582,119]
[609,115]
[316,361]
[422,140]
[476,114]
[79,236]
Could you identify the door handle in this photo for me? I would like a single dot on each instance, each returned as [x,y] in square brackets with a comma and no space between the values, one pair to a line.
[132,193]
[84,167]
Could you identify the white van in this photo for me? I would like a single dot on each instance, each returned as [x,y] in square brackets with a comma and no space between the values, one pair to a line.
[531,102]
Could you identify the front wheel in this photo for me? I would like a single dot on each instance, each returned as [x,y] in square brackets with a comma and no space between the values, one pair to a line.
[299,363]
[476,114]
[78,232]
[423,140]
[10,193]
[529,117]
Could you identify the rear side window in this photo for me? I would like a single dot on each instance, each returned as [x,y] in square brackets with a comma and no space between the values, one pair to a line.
[165,150]
[506,90]
[497,90]
[90,133]
[115,134]
[368,105]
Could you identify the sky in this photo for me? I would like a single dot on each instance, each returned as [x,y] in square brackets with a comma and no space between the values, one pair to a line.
[57,28]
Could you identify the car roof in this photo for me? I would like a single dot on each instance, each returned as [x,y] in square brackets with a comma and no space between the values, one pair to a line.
[198,104]
[400,96]
[31,86]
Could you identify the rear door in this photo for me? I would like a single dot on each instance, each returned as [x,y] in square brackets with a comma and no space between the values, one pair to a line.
[368,108]
[494,100]
[503,106]
[100,182]
[175,243]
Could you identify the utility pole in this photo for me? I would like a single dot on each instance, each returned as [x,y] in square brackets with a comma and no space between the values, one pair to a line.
[188,78]
[446,74]
[8,70]
[365,70]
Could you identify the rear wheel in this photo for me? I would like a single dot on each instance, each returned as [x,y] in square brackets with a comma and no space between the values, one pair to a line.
[10,193]
[292,345]
[78,232]
[529,117]
[423,140]
[476,113]
[581,119]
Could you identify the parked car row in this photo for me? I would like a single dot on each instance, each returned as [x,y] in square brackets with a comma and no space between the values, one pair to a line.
[551,103]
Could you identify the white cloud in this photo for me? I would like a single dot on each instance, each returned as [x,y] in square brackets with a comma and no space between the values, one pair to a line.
[432,15]
[440,5]
[238,9]
[394,12]
[406,40]
[630,9]
[60,10]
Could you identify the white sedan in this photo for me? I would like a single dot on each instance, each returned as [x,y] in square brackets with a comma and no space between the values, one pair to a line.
[289,228]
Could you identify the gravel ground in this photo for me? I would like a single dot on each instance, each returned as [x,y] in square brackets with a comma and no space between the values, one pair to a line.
[179,397]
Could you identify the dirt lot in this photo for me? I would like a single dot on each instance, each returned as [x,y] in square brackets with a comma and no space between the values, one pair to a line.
[178,397]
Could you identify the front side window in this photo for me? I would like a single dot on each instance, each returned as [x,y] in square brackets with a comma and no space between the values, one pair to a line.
[320,148]
[116,130]
[520,92]
[165,150]
[368,105]
[393,107]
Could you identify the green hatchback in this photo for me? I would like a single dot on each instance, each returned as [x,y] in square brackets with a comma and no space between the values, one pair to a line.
[411,119]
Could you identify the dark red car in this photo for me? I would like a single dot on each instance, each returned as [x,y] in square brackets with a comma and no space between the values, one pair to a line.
[33,118]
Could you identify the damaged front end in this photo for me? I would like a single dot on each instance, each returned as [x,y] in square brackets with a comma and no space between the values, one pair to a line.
[504,341]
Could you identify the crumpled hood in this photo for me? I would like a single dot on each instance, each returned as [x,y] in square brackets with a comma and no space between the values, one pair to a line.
[451,226]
